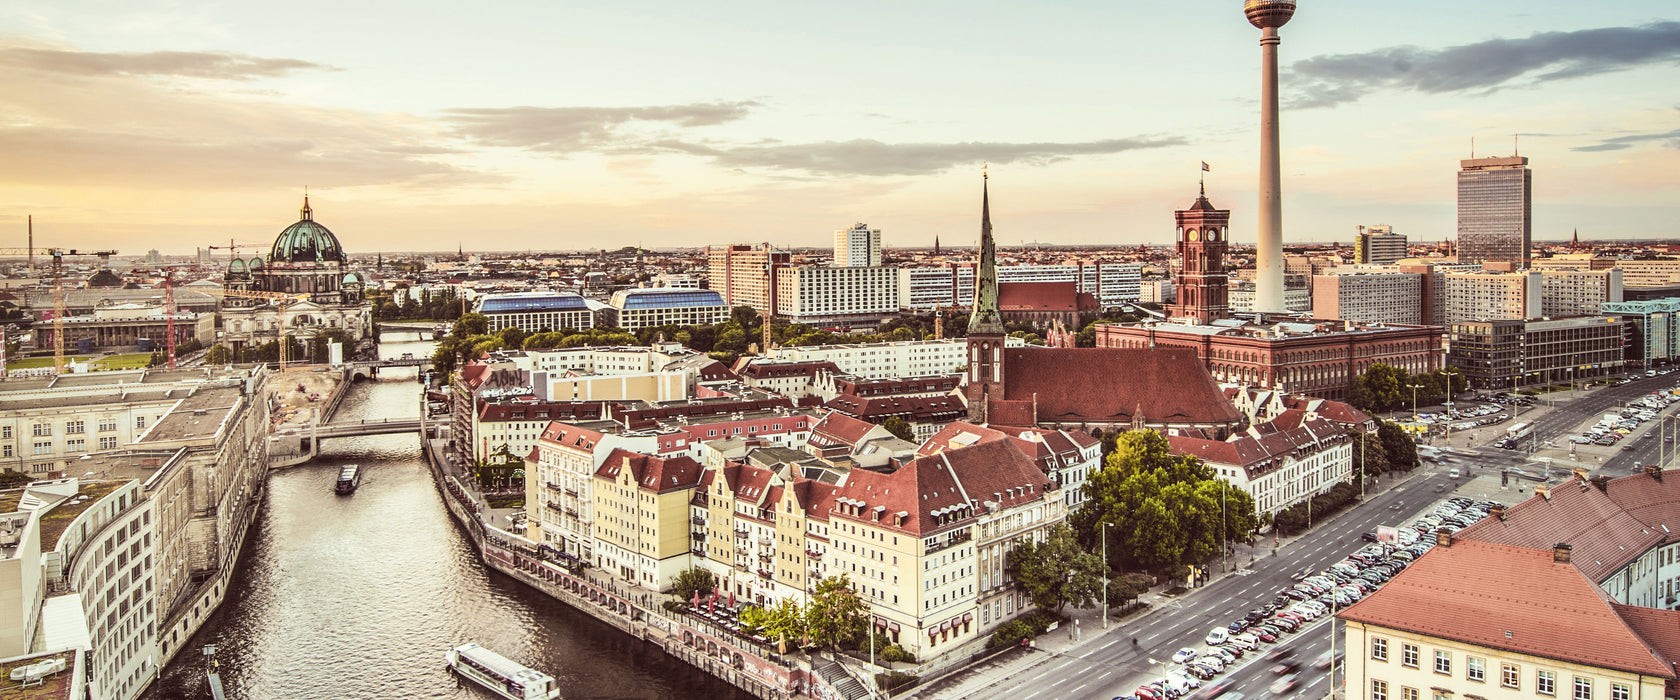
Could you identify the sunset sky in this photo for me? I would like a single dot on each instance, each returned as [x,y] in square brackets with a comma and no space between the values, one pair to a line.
[568,125]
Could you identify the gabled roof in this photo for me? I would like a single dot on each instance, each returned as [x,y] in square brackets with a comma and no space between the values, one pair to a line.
[927,488]
[571,436]
[837,429]
[1109,385]
[1514,599]
[1038,296]
[779,370]
[1604,536]
[1261,448]
[655,474]
[915,408]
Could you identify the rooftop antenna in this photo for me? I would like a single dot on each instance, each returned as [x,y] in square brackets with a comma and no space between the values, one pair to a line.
[1472,148]
[1515,150]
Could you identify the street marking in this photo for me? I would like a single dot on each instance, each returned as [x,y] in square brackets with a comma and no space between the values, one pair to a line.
[1104,675]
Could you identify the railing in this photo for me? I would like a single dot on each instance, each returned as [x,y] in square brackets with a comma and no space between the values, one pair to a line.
[697,520]
[951,540]
[551,505]
[697,536]
[814,554]
[742,534]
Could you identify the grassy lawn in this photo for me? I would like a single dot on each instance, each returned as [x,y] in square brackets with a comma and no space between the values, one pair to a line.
[131,361]
[37,362]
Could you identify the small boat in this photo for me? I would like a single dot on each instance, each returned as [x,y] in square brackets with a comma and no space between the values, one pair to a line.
[500,674]
[348,479]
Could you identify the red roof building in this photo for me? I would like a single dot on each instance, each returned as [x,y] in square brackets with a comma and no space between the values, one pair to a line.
[1108,388]
[1279,463]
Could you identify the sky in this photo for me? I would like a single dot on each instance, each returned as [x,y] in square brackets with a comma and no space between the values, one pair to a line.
[552,125]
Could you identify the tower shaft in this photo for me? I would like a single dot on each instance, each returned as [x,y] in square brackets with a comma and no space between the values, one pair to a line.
[1268,259]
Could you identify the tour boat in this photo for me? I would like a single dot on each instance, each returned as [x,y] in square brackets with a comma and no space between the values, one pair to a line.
[348,479]
[501,675]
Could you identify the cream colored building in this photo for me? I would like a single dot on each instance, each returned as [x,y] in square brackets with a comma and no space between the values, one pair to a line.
[1484,621]
[641,516]
[559,483]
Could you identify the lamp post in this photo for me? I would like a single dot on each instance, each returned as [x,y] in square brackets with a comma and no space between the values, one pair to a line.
[1451,373]
[1104,533]
[1414,388]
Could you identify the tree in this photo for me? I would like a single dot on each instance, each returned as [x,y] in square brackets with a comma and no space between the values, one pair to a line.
[835,614]
[470,325]
[1056,572]
[1379,388]
[1397,445]
[512,337]
[692,580]
[744,316]
[218,355]
[1164,509]
[1126,588]
[900,428]
[784,622]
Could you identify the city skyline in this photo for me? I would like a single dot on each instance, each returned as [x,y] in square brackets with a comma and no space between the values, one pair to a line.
[537,127]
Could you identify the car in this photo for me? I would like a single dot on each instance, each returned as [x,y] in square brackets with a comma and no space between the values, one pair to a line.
[1288,625]
[1215,690]
[1234,649]
[1199,671]
[1184,683]
[1223,655]
[1284,667]
[1237,627]
[1284,685]
[1248,642]
[1217,636]
[1184,655]
[1324,659]
[1211,660]
[1264,635]
[1145,692]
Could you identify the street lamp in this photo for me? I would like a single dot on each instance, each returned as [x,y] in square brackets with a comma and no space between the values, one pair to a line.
[1450,373]
[1414,388]
[1104,532]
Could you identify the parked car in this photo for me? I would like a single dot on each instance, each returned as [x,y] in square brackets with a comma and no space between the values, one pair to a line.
[1184,655]
[1217,636]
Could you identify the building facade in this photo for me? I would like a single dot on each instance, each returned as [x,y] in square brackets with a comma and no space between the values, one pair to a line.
[1657,327]
[1565,292]
[858,246]
[837,296]
[1202,237]
[306,261]
[647,308]
[745,275]
[536,312]
[1495,210]
[1370,298]
[1511,354]
[1378,245]
[1490,295]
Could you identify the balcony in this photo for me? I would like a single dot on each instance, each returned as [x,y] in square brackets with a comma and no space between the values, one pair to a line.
[551,505]
[572,512]
[697,520]
[814,554]
[765,557]
[767,541]
[697,536]
[555,487]
[951,540]
[699,500]
[701,552]
[741,534]
[766,574]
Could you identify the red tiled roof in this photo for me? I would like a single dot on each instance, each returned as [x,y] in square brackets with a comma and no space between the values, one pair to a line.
[1261,449]
[815,497]
[1038,296]
[491,412]
[571,436]
[656,474]
[1108,385]
[852,386]
[1661,630]
[839,429]
[776,370]
[941,482]
[1654,502]
[473,374]
[1604,536]
[1511,598]
[915,408]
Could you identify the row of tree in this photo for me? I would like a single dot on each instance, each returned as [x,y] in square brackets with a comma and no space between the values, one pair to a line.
[313,350]
[1384,387]
[833,617]
[444,304]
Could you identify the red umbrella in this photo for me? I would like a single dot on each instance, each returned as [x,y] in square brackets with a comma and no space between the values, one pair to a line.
[696,599]
[732,599]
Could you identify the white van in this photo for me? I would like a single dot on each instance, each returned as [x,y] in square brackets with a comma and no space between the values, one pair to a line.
[1218,636]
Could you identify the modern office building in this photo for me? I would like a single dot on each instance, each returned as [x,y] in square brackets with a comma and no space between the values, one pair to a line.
[1495,210]
[858,246]
[537,312]
[1649,273]
[1378,245]
[745,274]
[910,358]
[1656,334]
[647,308]
[1112,284]
[1490,295]
[1565,292]
[1513,353]
[1297,298]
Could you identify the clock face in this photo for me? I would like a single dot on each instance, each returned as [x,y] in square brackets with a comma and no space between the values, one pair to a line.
[1213,234]
[1190,235]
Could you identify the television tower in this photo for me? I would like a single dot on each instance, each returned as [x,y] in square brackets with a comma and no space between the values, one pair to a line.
[1268,15]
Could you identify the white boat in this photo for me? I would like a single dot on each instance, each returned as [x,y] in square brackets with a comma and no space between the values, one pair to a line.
[500,674]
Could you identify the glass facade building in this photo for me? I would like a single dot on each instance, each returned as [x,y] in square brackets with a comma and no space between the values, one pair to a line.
[1495,210]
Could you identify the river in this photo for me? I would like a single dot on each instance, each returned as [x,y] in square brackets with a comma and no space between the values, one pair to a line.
[359,596]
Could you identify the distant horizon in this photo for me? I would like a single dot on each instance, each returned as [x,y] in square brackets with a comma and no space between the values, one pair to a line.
[751,121]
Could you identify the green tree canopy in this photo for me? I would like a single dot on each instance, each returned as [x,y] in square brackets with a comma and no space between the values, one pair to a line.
[835,614]
[1163,509]
[900,428]
[1057,571]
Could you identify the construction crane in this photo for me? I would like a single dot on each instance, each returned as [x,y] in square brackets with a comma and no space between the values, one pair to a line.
[281,301]
[58,255]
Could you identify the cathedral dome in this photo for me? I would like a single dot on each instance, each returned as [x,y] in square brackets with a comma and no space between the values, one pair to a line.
[306,241]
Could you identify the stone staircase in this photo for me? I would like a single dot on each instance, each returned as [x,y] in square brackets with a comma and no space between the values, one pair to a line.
[843,683]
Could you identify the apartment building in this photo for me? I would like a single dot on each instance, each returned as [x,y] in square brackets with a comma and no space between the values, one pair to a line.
[928,288]
[745,275]
[1649,273]
[1511,354]
[1566,292]
[892,360]
[1279,463]
[794,379]
[1378,245]
[641,505]
[858,246]
[1477,619]
[837,296]
[1111,284]
[44,425]
[1490,295]
[559,483]
[1389,297]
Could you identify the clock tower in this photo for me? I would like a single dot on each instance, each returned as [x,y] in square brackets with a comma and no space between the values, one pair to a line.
[1202,235]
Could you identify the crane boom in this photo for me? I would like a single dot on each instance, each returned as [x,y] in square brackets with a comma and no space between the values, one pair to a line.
[58,255]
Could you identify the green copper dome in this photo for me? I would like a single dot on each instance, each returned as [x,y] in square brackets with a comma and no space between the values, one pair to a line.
[306,241]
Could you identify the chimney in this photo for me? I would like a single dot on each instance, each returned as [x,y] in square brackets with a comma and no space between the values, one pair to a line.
[1543,492]
[1443,537]
[1602,482]
[1654,471]
[1497,512]
[1560,553]
[1582,474]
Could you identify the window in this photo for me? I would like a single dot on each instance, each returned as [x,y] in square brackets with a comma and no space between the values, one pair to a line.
[1408,694]
[108,443]
[74,427]
[75,445]
[1379,689]
[43,448]
[6,450]
[1583,688]
[1508,675]
[1443,662]
[42,430]
[1475,669]
[5,432]
[1620,692]
[1409,655]
[139,422]
[1379,648]
[107,425]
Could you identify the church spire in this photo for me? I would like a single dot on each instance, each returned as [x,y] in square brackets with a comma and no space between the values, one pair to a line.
[306,213]
[985,318]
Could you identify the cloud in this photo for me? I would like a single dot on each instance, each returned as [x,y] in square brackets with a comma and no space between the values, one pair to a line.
[870,157]
[1326,81]
[1617,143]
[187,64]
[562,130]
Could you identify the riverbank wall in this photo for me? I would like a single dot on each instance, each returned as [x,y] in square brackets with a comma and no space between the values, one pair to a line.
[755,669]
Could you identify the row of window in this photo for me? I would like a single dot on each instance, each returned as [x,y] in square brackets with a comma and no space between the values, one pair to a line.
[71,427]
[1475,669]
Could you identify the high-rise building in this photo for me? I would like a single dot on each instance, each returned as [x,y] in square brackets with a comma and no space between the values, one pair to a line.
[1377,297]
[1201,278]
[1378,245]
[1489,295]
[744,274]
[858,246]
[1495,210]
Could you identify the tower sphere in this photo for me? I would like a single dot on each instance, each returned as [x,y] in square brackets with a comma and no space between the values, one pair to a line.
[1269,13]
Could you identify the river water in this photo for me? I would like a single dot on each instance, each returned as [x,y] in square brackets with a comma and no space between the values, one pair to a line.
[359,596]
